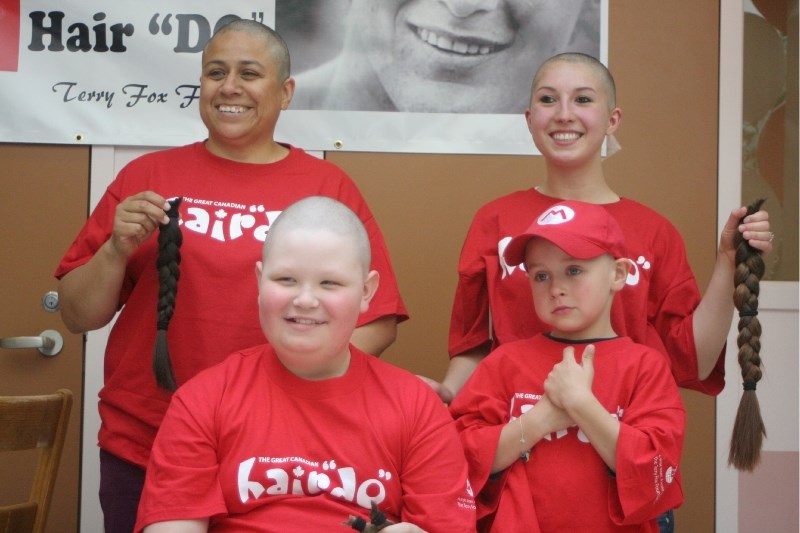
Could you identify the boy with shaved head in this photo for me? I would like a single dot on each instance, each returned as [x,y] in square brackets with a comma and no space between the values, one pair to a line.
[307,430]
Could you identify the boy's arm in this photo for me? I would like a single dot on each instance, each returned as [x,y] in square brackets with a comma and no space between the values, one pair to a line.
[712,318]
[521,434]
[600,428]
[182,487]
[652,427]
[179,526]
[433,469]
[403,527]
[569,386]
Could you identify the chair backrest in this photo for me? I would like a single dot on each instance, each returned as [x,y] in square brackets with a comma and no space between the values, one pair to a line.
[29,422]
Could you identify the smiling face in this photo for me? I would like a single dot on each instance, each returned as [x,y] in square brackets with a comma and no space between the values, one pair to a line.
[573,296]
[241,92]
[312,286]
[571,112]
[458,55]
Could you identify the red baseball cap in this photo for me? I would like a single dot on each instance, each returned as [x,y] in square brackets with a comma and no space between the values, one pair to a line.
[582,230]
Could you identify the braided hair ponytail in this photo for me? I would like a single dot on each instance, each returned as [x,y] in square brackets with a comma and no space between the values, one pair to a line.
[167,262]
[748,428]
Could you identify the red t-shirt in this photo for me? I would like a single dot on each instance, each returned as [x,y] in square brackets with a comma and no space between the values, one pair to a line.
[226,211]
[257,448]
[566,486]
[493,300]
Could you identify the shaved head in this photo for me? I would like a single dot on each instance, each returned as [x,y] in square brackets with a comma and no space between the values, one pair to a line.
[322,213]
[272,41]
[599,69]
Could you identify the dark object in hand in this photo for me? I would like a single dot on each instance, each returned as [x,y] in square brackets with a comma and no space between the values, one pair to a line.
[377,521]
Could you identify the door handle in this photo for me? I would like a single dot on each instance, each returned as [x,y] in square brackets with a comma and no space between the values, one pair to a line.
[49,342]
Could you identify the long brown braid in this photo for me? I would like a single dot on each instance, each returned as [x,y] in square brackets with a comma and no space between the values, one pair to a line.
[748,429]
[167,263]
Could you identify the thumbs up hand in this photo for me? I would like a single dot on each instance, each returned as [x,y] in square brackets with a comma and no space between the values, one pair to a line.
[569,382]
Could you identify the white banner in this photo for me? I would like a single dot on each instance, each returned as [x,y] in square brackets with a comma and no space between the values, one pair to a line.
[371,76]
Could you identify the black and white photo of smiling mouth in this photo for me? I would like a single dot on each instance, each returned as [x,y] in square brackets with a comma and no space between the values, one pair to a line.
[462,45]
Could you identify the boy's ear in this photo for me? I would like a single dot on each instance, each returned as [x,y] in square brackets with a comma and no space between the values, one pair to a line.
[621,269]
[259,266]
[370,287]
[259,270]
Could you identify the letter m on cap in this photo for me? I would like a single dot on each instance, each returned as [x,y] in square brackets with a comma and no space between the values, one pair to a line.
[9,35]
[556,215]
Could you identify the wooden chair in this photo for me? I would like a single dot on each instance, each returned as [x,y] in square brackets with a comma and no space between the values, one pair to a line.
[29,422]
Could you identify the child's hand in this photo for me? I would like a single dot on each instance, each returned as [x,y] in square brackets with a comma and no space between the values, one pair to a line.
[569,384]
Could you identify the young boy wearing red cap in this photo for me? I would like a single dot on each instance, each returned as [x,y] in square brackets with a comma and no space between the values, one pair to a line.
[576,429]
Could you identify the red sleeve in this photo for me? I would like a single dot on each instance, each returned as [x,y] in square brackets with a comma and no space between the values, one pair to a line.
[673,299]
[436,494]
[182,476]
[96,231]
[513,513]
[481,410]
[469,321]
[652,430]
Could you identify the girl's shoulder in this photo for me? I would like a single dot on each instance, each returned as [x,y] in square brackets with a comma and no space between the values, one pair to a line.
[632,214]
